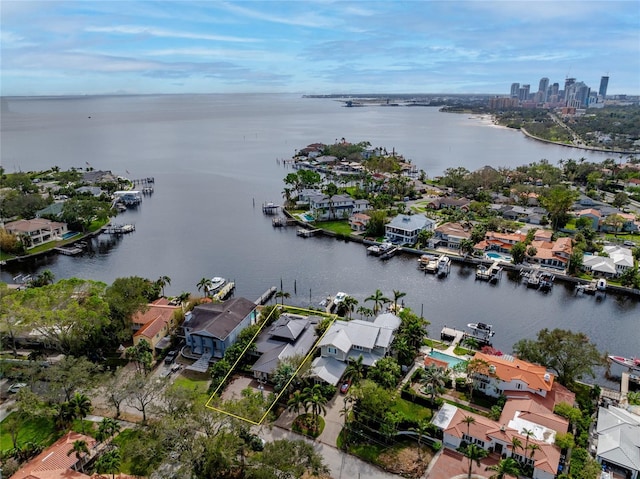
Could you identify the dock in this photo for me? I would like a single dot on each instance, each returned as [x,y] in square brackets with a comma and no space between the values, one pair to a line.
[270,208]
[266,296]
[225,292]
[144,181]
[280,221]
[68,251]
[452,335]
[390,252]
[119,229]
[305,233]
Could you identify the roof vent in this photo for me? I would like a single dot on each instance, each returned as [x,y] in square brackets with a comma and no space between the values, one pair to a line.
[547,377]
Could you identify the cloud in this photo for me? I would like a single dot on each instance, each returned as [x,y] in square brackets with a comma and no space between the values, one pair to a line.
[158,32]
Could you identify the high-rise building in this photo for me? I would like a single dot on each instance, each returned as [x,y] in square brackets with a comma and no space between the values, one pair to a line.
[555,89]
[515,88]
[543,86]
[604,83]
[523,93]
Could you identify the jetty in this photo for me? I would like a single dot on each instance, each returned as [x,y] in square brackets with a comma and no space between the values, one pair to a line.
[266,296]
[68,250]
[224,292]
[270,208]
[119,229]
[144,181]
[306,233]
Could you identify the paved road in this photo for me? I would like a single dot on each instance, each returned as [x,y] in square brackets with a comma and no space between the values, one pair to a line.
[342,465]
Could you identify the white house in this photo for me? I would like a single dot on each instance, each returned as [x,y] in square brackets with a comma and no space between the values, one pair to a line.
[404,229]
[325,207]
[37,231]
[352,339]
[619,441]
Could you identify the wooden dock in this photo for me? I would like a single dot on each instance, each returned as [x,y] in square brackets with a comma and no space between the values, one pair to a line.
[266,296]
[225,292]
[119,229]
[144,181]
[305,233]
[452,335]
[270,208]
[68,251]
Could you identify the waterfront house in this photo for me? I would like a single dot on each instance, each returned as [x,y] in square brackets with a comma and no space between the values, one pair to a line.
[404,229]
[325,207]
[352,339]
[497,437]
[359,222]
[98,176]
[618,444]
[291,336]
[448,202]
[618,261]
[449,235]
[555,254]
[509,376]
[37,231]
[211,328]
[501,242]
[593,215]
[54,210]
[154,323]
[58,461]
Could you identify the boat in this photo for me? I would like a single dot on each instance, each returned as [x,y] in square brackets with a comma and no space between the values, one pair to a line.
[546,281]
[428,263]
[601,285]
[480,331]
[533,281]
[380,249]
[444,265]
[632,363]
[389,253]
[339,298]
[482,272]
[216,285]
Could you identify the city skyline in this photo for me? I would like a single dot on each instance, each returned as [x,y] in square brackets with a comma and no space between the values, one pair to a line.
[314,47]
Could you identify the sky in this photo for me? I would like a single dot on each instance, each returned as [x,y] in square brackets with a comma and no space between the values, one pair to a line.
[314,46]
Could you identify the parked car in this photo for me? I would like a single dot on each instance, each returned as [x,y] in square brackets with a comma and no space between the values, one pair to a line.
[14,388]
[170,357]
[344,387]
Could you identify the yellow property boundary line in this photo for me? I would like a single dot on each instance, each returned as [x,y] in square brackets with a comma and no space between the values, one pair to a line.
[277,398]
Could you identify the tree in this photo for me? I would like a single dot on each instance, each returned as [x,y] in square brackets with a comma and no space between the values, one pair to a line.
[296,402]
[620,199]
[107,428]
[396,296]
[422,429]
[80,404]
[516,444]
[474,367]
[469,420]
[386,372]
[80,449]
[315,401]
[141,355]
[204,285]
[570,355]
[506,467]
[474,454]
[379,300]
[347,306]
[434,378]
[558,200]
[142,393]
[282,295]
[70,375]
[355,369]
[163,281]
[615,222]
[109,462]
[564,440]
[286,459]
[518,252]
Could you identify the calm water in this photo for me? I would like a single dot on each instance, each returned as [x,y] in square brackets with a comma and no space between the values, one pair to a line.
[214,158]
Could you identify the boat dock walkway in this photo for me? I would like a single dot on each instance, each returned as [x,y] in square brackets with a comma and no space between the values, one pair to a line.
[452,335]
[119,229]
[68,251]
[266,296]
[305,233]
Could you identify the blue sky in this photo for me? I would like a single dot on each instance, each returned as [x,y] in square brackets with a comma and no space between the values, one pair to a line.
[314,47]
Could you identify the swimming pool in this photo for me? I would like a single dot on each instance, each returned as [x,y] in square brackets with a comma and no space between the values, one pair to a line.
[307,217]
[69,234]
[493,255]
[451,360]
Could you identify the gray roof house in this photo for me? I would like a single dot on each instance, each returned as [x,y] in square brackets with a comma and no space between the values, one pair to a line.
[352,339]
[325,207]
[291,335]
[404,229]
[211,328]
[619,441]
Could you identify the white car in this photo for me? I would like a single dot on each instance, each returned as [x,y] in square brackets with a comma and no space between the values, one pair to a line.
[14,388]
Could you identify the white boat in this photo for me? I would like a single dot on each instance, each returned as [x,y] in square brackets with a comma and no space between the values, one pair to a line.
[481,330]
[380,249]
[216,285]
[633,363]
[601,285]
[444,265]
[339,298]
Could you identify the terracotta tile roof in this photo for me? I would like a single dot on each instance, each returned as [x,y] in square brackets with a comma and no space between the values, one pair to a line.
[563,245]
[589,211]
[534,411]
[26,226]
[53,462]
[154,317]
[544,235]
[508,368]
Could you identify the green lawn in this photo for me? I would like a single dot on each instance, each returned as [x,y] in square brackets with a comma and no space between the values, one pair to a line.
[123,441]
[200,386]
[412,411]
[338,227]
[39,430]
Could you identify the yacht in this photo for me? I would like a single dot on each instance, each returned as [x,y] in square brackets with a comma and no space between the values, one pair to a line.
[216,284]
[481,331]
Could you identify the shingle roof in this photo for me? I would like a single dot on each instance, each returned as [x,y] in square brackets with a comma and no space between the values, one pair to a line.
[220,319]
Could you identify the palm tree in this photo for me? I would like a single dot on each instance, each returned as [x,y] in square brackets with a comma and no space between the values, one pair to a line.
[422,429]
[516,444]
[107,428]
[183,298]
[46,277]
[314,400]
[80,448]
[396,296]
[405,353]
[471,343]
[533,447]
[469,420]
[378,299]
[109,462]
[347,305]
[162,282]
[355,370]
[282,294]
[527,433]
[364,311]
[473,453]
[434,378]
[81,406]
[296,402]
[506,467]
[204,284]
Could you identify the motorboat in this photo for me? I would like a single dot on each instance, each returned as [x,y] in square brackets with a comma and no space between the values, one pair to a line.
[480,330]
[216,285]
[444,265]
[546,281]
[632,363]
[380,249]
[339,298]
